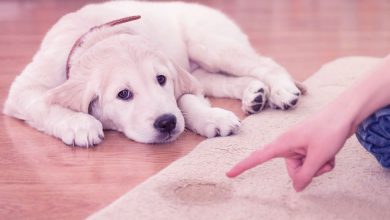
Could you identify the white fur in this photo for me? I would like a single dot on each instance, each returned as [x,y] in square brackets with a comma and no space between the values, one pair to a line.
[171,39]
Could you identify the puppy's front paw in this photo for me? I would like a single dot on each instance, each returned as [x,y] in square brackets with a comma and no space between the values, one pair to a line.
[284,95]
[80,130]
[219,122]
[255,97]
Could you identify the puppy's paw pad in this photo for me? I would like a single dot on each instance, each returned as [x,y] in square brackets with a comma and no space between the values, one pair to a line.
[81,130]
[255,97]
[220,122]
[284,97]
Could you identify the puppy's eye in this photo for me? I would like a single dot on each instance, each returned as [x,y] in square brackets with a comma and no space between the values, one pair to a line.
[125,94]
[161,79]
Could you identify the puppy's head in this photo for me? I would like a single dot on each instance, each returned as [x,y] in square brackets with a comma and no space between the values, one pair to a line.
[130,87]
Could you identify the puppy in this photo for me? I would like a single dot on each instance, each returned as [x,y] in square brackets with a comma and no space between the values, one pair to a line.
[146,76]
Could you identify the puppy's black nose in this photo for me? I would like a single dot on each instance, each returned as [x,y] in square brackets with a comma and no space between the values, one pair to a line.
[165,123]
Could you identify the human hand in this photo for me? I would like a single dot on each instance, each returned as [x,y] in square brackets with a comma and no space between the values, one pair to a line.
[309,148]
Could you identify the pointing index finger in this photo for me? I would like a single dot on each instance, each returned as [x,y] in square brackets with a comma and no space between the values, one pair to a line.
[256,158]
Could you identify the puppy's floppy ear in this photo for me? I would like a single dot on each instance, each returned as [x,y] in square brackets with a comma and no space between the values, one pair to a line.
[184,82]
[74,94]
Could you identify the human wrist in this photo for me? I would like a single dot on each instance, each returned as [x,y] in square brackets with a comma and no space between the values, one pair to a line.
[341,113]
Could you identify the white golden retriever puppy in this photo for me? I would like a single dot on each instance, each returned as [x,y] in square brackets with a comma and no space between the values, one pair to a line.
[100,68]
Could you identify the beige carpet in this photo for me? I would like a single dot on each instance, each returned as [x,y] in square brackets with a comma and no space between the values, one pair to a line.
[195,187]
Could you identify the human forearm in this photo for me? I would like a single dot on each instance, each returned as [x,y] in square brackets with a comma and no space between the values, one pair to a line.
[367,95]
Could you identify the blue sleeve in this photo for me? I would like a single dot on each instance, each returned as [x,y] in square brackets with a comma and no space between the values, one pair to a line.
[374,134]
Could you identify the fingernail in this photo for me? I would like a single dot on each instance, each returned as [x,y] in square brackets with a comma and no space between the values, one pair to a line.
[230,175]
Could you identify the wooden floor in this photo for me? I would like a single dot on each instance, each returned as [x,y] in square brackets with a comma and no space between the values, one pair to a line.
[40,178]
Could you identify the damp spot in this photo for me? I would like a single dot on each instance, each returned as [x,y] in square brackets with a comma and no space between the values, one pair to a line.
[197,192]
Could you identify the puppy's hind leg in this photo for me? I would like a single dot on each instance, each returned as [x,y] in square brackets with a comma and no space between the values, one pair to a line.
[252,92]
[229,51]
[205,120]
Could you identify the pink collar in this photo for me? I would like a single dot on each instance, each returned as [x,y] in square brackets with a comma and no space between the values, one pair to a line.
[81,39]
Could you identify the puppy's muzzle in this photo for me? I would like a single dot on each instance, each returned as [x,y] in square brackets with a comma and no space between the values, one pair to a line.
[165,123]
